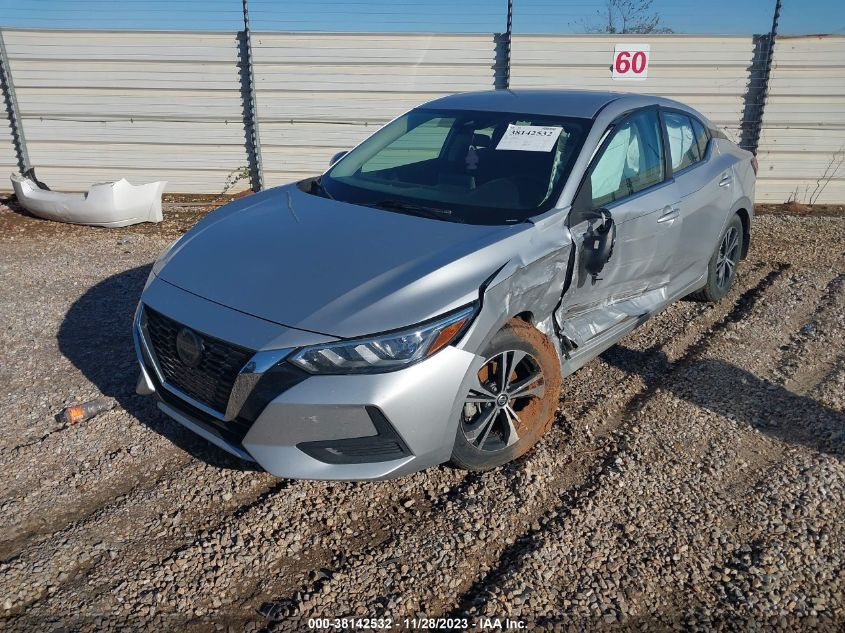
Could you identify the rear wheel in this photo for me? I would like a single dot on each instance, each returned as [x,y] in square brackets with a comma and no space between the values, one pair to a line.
[721,270]
[512,399]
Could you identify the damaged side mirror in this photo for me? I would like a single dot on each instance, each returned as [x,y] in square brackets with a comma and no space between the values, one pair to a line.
[337,157]
[598,241]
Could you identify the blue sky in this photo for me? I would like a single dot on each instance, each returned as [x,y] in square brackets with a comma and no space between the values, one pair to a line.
[530,16]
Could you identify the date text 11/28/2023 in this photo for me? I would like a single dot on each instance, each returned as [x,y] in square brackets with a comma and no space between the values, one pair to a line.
[421,623]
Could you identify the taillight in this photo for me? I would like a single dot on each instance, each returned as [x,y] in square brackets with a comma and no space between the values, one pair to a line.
[754,164]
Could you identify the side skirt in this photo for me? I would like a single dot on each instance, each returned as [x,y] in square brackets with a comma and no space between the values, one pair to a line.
[608,338]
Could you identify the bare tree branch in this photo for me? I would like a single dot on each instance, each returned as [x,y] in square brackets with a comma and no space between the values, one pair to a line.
[830,172]
[626,16]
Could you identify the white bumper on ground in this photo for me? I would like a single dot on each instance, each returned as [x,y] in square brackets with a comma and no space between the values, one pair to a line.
[110,204]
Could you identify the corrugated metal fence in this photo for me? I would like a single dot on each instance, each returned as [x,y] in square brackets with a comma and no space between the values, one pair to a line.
[98,106]
[151,105]
[320,93]
[708,73]
[802,146]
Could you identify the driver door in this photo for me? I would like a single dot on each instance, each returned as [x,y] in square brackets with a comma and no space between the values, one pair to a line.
[628,178]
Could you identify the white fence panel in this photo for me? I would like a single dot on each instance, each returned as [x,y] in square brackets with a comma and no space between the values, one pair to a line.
[102,105]
[802,145]
[710,73]
[319,93]
[140,105]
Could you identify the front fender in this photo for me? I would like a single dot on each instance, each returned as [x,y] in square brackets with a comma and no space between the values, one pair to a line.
[526,286]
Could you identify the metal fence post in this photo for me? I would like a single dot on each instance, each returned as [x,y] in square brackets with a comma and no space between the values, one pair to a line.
[12,109]
[253,138]
[502,66]
[758,86]
[508,40]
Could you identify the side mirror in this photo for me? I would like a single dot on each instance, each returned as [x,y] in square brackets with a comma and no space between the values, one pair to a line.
[598,241]
[337,157]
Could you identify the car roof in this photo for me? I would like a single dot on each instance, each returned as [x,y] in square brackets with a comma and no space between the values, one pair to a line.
[574,103]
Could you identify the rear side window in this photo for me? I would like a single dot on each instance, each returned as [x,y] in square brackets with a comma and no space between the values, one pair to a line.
[702,137]
[631,161]
[683,146]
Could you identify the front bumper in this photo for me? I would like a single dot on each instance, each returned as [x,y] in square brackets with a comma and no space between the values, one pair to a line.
[352,427]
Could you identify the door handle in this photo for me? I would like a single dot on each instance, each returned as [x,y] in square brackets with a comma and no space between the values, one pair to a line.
[669,214]
[725,181]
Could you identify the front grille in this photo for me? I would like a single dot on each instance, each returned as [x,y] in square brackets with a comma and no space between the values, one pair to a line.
[211,381]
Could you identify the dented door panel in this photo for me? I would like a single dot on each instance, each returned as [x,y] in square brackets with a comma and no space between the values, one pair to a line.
[641,262]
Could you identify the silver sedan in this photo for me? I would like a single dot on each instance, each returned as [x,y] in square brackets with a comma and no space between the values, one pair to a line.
[423,300]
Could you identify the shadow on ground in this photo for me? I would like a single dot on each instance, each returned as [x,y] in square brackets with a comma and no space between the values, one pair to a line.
[96,337]
[735,393]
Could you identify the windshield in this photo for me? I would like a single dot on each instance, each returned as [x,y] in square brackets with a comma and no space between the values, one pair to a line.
[460,165]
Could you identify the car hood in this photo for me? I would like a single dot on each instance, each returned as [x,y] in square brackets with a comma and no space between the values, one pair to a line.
[331,267]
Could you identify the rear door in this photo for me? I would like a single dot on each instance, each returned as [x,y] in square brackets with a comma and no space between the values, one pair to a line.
[628,177]
[705,185]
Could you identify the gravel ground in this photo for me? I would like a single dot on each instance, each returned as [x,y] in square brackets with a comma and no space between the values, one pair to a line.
[694,477]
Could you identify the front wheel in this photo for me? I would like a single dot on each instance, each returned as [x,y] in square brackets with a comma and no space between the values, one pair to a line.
[512,399]
[721,270]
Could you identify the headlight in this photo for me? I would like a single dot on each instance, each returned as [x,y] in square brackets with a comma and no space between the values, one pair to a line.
[386,352]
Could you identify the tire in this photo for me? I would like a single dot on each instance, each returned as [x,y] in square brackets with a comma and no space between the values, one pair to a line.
[497,426]
[721,271]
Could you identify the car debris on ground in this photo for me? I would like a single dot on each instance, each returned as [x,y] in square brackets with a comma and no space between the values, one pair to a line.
[108,204]
[85,411]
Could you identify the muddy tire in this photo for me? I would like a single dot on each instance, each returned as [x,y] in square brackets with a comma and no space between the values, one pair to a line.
[512,400]
[721,271]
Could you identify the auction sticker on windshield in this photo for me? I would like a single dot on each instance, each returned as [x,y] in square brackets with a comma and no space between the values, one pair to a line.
[529,138]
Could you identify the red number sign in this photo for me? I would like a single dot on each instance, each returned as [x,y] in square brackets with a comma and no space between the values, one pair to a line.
[630,61]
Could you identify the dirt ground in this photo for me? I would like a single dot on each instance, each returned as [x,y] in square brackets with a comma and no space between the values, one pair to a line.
[693,479]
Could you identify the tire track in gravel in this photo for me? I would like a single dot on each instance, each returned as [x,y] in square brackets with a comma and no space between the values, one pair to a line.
[540,479]
[830,388]
[772,441]
[821,339]
[31,516]
[171,509]
[796,350]
[512,561]
[597,573]
[315,518]
[90,482]
[60,480]
[93,586]
[784,534]
[284,531]
[772,559]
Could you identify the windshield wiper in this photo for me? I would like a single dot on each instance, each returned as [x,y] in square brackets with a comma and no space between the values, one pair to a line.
[321,188]
[433,213]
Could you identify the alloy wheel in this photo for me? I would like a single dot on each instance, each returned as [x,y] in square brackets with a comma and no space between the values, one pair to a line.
[727,258]
[503,403]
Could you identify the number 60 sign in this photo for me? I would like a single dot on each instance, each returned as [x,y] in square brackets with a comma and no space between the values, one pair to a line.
[630,61]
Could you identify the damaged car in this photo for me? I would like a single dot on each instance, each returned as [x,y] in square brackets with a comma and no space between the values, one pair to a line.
[424,299]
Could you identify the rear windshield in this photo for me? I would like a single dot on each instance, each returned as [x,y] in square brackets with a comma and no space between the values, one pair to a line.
[460,165]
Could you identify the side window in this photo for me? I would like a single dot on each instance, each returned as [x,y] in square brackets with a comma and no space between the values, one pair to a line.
[419,144]
[701,136]
[631,161]
[683,145]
